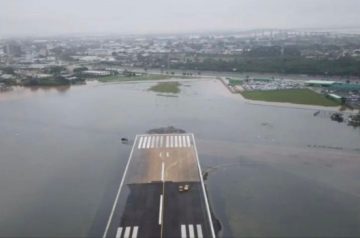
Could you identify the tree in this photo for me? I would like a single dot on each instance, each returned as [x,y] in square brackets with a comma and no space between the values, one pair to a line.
[8,70]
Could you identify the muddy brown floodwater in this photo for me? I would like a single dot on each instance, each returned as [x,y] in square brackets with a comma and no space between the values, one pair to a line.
[271,171]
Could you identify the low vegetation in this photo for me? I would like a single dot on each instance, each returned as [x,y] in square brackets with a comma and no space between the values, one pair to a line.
[166,87]
[296,96]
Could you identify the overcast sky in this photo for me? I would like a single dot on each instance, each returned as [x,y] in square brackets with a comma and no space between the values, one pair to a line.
[49,17]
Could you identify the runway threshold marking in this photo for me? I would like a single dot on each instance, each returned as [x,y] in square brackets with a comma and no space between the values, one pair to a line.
[199,231]
[148,143]
[127,232]
[135,232]
[162,141]
[140,142]
[183,231]
[118,232]
[191,231]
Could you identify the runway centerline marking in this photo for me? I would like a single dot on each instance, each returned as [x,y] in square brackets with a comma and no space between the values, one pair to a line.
[162,171]
[160,209]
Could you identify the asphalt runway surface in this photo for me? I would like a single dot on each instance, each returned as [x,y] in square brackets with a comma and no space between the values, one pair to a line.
[151,200]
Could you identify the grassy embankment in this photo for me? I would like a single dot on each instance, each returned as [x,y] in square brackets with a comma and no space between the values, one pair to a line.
[166,87]
[296,96]
[114,78]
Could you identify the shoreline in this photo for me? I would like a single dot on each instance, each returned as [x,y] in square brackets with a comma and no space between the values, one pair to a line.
[282,104]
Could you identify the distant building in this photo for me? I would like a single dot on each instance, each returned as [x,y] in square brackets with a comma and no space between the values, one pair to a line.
[12,49]
[319,83]
[336,97]
[96,73]
[345,87]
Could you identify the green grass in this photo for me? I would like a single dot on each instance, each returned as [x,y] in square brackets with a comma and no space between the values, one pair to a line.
[114,78]
[166,87]
[296,96]
[234,82]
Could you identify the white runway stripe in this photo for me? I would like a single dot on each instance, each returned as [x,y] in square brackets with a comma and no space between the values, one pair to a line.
[191,231]
[153,141]
[160,209]
[168,141]
[148,143]
[162,171]
[144,143]
[171,142]
[118,232]
[135,232]
[176,141]
[180,141]
[183,231]
[127,232]
[199,231]
[157,142]
[161,141]
[188,141]
[140,142]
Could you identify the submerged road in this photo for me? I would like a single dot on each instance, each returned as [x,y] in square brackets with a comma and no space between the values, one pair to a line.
[149,202]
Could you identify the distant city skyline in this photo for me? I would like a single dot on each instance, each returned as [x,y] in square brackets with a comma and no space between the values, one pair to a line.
[49,17]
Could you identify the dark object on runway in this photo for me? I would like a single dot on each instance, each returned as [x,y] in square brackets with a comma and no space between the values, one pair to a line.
[124,140]
[337,117]
[184,188]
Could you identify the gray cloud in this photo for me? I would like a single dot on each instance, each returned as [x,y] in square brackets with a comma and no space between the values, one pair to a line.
[46,17]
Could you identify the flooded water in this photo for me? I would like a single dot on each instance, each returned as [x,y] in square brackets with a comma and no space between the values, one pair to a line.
[271,171]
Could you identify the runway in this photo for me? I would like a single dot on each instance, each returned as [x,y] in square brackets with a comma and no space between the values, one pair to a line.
[150,201]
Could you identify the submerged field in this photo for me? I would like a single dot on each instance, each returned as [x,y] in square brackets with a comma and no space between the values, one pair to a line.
[296,96]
